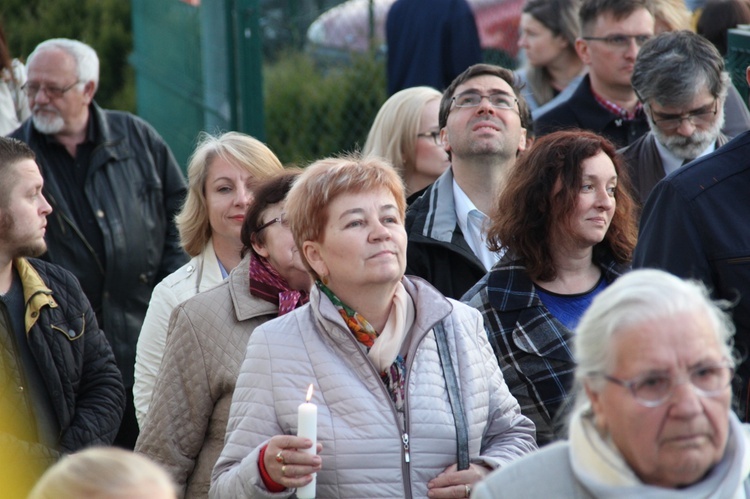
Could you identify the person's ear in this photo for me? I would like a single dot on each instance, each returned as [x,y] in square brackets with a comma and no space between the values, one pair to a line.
[259,248]
[747,75]
[444,140]
[582,47]
[597,407]
[522,143]
[311,252]
[89,89]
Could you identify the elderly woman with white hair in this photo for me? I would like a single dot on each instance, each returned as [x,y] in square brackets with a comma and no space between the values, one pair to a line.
[653,417]
[222,173]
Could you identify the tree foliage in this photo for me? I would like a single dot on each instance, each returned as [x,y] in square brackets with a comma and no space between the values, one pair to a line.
[103,24]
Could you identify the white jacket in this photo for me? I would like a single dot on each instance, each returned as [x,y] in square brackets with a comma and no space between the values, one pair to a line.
[14,106]
[363,439]
[202,272]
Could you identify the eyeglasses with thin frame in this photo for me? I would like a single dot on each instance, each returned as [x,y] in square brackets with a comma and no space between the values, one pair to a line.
[653,389]
[497,100]
[699,118]
[32,89]
[619,41]
[281,220]
[435,136]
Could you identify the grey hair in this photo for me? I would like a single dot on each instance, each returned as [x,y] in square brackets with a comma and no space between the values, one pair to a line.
[87,62]
[637,297]
[673,67]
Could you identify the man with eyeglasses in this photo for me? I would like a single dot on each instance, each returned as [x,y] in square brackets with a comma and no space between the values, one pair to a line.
[115,188]
[682,84]
[695,224]
[483,122]
[604,102]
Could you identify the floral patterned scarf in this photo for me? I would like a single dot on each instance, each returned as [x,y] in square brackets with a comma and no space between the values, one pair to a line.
[266,283]
[392,376]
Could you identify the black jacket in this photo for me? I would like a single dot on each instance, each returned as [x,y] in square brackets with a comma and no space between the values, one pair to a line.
[135,188]
[582,111]
[76,363]
[695,225]
[437,250]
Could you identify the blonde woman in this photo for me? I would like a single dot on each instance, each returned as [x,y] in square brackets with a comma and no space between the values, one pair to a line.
[221,175]
[406,133]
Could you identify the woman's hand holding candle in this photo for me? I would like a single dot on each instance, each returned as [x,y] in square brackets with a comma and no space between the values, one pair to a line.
[295,468]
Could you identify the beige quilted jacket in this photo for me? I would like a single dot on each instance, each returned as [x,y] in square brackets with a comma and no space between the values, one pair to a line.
[185,425]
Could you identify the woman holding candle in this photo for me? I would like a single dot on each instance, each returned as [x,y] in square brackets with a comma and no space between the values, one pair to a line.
[384,353]
[184,428]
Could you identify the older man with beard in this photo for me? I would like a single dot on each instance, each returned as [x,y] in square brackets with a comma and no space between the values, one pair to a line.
[115,188]
[680,79]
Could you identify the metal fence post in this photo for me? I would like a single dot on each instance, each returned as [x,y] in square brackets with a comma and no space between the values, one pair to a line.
[248,68]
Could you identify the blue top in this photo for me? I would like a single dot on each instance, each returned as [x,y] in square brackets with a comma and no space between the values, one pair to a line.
[568,309]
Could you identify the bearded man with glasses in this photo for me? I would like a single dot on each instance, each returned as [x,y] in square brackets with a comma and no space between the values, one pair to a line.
[115,188]
[695,224]
[604,102]
[680,79]
[483,124]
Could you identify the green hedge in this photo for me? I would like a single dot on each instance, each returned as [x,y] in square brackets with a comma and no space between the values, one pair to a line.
[312,111]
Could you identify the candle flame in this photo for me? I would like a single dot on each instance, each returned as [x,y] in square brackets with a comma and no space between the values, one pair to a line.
[309,393]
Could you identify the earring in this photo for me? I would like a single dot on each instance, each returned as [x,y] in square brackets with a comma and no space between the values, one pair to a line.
[324,279]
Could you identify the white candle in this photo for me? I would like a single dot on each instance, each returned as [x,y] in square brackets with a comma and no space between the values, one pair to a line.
[307,427]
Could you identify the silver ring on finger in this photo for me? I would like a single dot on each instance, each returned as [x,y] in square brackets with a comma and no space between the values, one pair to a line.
[468,490]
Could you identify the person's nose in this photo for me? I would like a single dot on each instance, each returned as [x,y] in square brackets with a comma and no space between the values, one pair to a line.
[685,401]
[522,41]
[631,52]
[485,106]
[40,97]
[604,199]
[379,232]
[243,196]
[686,128]
[45,208]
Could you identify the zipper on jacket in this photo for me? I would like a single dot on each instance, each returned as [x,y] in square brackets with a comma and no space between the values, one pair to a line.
[405,440]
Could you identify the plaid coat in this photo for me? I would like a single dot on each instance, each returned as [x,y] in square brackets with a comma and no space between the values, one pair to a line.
[533,348]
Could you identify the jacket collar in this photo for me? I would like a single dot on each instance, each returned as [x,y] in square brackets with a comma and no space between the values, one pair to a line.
[441,211]
[587,110]
[431,307]
[246,306]
[36,294]
[208,270]
[510,288]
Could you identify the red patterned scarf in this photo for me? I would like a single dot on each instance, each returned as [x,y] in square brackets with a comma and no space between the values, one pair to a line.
[266,283]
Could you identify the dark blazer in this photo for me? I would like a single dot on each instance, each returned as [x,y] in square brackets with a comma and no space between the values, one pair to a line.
[695,224]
